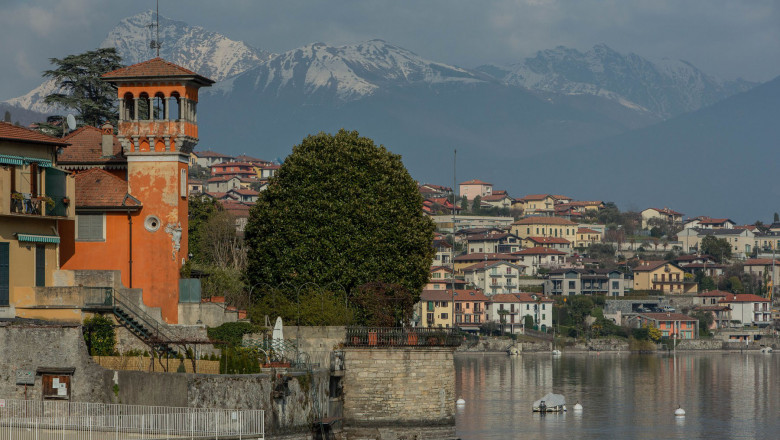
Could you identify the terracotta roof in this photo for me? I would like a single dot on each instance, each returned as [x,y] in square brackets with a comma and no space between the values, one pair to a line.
[97,188]
[560,197]
[244,192]
[470,295]
[238,209]
[668,316]
[222,178]
[649,266]
[538,250]
[714,293]
[495,197]
[245,158]
[544,221]
[436,295]
[489,256]
[475,182]
[534,197]
[487,264]
[743,297]
[550,240]
[232,164]
[714,221]
[11,132]
[587,231]
[209,153]
[156,67]
[667,211]
[489,237]
[86,147]
[445,268]
[529,297]
[760,262]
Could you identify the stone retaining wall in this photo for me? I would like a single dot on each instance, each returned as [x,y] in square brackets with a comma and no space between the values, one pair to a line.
[399,387]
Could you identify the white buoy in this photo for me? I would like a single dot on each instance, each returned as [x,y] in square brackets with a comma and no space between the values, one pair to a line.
[577,406]
[679,412]
[460,401]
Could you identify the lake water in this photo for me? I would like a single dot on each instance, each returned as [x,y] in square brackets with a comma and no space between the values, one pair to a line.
[625,396]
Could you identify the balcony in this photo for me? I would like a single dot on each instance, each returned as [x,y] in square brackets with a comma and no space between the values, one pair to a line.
[46,194]
[21,204]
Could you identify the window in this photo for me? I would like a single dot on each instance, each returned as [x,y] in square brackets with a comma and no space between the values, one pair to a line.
[89,227]
[444,316]
[572,284]
[615,285]
[543,316]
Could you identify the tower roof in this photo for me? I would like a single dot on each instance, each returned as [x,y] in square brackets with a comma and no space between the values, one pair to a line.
[154,69]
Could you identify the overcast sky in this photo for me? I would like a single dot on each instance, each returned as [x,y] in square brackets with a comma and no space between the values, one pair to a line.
[726,38]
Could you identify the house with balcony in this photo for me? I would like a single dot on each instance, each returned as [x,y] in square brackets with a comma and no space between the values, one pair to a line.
[242,169]
[545,227]
[586,282]
[586,237]
[665,215]
[709,302]
[434,310]
[556,243]
[244,195]
[441,279]
[208,158]
[499,199]
[536,258]
[265,171]
[536,204]
[704,222]
[742,241]
[466,260]
[36,200]
[766,270]
[672,325]
[749,309]
[494,277]
[504,243]
[470,310]
[510,310]
[475,187]
[663,276]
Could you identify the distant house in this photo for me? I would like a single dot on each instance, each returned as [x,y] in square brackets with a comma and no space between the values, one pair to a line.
[536,204]
[512,308]
[493,243]
[429,190]
[545,227]
[741,240]
[434,310]
[443,252]
[502,201]
[709,302]
[663,276]
[667,215]
[195,186]
[441,279]
[242,169]
[466,260]
[470,309]
[239,210]
[244,195]
[765,269]
[541,258]
[672,325]
[557,243]
[209,158]
[267,170]
[494,277]
[586,237]
[709,223]
[568,282]
[474,187]
[222,184]
[749,309]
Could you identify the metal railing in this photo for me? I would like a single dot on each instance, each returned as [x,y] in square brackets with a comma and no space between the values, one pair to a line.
[375,337]
[35,419]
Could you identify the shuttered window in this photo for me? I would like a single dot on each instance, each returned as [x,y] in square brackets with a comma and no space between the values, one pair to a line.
[90,227]
[40,265]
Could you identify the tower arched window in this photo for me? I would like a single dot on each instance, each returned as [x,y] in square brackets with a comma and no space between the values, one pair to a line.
[158,106]
[144,107]
[128,111]
[175,107]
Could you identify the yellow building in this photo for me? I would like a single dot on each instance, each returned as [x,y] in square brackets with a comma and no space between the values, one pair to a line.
[435,308]
[35,198]
[545,227]
[663,276]
[536,203]
[586,237]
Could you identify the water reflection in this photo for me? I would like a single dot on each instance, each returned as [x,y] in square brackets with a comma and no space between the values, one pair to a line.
[725,395]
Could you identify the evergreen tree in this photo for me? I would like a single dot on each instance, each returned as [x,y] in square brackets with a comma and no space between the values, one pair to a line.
[7,116]
[476,206]
[340,213]
[83,90]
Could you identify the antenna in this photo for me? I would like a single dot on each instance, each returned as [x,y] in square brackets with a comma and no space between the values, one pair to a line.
[70,124]
[156,44]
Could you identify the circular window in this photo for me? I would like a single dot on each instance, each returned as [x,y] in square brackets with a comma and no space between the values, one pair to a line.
[152,223]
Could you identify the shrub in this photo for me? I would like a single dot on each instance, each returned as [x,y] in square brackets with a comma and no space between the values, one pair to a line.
[99,335]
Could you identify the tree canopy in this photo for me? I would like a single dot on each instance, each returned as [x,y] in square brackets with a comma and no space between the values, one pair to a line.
[340,213]
[718,248]
[78,76]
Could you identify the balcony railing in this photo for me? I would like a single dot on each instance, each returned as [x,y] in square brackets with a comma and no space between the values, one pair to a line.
[382,337]
[42,206]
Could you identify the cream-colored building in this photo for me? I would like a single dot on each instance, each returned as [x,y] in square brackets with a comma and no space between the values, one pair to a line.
[587,237]
[475,187]
[742,241]
[533,204]
[545,227]
[663,276]
[665,214]
[494,277]
[35,197]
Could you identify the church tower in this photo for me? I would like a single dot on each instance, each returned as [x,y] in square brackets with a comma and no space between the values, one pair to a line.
[158,129]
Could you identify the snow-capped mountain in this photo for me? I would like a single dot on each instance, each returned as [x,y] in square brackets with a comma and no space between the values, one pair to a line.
[346,73]
[665,88]
[211,54]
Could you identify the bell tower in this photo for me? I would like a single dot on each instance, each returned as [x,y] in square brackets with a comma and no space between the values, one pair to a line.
[158,129]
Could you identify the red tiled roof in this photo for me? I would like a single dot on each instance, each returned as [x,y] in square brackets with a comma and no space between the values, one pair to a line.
[743,297]
[714,293]
[495,197]
[470,295]
[560,197]
[156,67]
[11,132]
[222,178]
[232,164]
[713,221]
[475,182]
[529,297]
[245,158]
[489,256]
[209,153]
[667,211]
[485,264]
[544,221]
[86,147]
[534,197]
[238,209]
[244,192]
[668,316]
[587,231]
[445,268]
[760,262]
[504,298]
[550,240]
[97,188]
[649,266]
[436,295]
[539,251]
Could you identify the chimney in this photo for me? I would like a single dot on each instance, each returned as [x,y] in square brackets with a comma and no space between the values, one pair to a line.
[108,139]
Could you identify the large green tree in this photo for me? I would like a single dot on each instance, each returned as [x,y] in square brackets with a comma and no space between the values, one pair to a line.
[341,213]
[78,76]
[718,248]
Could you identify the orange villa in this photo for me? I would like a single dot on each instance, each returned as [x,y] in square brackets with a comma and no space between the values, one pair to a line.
[672,325]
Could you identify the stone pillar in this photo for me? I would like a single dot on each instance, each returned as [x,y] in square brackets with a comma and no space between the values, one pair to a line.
[121,109]
[167,102]
[135,109]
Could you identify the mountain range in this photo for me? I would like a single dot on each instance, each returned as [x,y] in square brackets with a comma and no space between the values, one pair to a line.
[503,120]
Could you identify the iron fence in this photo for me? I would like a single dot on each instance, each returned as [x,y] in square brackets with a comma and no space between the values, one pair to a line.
[43,420]
[402,337]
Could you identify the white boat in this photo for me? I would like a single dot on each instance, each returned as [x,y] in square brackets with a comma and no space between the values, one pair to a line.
[550,403]
[556,352]
[767,350]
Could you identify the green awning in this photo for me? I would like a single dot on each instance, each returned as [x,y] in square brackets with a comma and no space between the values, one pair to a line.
[33,238]
[6,159]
